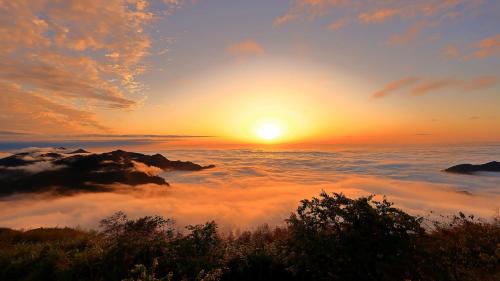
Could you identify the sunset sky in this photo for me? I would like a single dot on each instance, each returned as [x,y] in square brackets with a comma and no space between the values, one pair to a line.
[303,71]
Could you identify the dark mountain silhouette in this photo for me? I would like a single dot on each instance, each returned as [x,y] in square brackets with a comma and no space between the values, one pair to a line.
[470,168]
[66,173]
[16,160]
[79,151]
[51,155]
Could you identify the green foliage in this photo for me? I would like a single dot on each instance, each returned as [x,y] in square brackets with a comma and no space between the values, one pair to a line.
[256,255]
[48,254]
[130,242]
[337,238]
[142,273]
[199,251]
[329,238]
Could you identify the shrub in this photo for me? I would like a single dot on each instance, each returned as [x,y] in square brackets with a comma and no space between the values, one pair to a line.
[329,238]
[130,242]
[462,248]
[337,238]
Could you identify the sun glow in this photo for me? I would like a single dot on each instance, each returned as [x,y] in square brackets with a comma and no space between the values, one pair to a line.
[269,131]
[271,106]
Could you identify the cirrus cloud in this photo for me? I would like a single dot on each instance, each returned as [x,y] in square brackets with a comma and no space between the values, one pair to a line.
[489,46]
[416,86]
[484,48]
[421,15]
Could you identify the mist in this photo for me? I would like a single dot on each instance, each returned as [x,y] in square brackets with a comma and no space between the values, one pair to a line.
[231,207]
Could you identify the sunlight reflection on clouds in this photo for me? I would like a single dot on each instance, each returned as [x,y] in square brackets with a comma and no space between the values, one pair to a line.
[251,187]
[315,167]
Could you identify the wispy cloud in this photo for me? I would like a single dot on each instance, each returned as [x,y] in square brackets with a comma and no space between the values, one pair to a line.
[22,109]
[487,47]
[155,136]
[37,167]
[310,8]
[61,82]
[245,48]
[395,85]
[339,24]
[484,48]
[378,15]
[16,140]
[419,14]
[12,133]
[419,86]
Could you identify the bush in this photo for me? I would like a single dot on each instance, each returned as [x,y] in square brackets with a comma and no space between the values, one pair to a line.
[130,242]
[329,238]
[257,255]
[337,238]
[462,248]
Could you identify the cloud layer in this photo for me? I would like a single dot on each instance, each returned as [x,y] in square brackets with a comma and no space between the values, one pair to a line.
[232,207]
[250,187]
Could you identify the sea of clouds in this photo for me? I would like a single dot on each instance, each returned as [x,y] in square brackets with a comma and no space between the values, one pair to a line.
[251,187]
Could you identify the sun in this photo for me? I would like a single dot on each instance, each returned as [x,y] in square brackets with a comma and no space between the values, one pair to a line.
[269,131]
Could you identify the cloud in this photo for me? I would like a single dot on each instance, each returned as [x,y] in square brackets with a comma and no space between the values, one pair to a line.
[394,86]
[420,14]
[487,47]
[409,35]
[231,206]
[378,15]
[339,24]
[433,85]
[484,48]
[284,19]
[135,136]
[149,170]
[423,134]
[420,86]
[12,133]
[64,83]
[250,187]
[309,8]
[21,110]
[245,48]
[368,11]
[74,56]
[37,167]
[479,83]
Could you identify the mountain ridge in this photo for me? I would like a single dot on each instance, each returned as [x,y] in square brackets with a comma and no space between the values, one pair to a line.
[66,172]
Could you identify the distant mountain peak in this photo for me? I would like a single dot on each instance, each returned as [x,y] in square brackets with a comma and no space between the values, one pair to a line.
[62,173]
[492,166]
[80,150]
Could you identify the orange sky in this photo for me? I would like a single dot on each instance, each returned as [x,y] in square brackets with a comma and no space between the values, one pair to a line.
[311,71]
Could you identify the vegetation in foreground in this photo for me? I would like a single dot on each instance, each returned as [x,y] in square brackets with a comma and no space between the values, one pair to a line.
[329,238]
